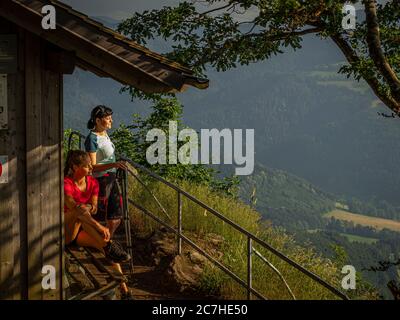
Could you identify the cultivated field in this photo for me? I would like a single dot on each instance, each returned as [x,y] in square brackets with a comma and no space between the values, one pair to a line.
[377,223]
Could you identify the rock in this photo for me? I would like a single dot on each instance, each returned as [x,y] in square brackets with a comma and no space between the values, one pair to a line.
[197,258]
[183,272]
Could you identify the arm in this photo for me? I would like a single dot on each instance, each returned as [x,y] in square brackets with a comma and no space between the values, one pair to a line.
[103,167]
[82,212]
[93,203]
[94,195]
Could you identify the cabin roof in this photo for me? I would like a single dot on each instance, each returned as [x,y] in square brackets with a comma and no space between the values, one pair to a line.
[102,50]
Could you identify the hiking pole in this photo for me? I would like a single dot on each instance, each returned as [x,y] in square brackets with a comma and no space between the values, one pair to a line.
[127,222]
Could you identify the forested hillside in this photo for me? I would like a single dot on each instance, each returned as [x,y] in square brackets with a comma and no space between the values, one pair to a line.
[287,200]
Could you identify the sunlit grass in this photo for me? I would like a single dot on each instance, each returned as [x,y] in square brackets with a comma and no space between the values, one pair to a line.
[200,222]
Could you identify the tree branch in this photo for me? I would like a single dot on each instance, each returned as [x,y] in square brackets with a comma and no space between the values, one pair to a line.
[352,58]
[217,9]
[267,37]
[376,52]
[252,28]
[283,35]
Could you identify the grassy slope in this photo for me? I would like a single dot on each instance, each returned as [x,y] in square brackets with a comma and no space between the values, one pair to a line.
[198,220]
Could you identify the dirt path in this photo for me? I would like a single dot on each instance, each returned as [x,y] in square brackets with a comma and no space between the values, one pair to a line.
[147,285]
[149,282]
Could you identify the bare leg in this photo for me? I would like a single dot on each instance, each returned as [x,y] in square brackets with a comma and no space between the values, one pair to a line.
[112,225]
[95,236]
[89,236]
[123,286]
[86,240]
[71,225]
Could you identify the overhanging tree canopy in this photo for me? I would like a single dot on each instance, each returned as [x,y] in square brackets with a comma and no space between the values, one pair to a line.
[234,32]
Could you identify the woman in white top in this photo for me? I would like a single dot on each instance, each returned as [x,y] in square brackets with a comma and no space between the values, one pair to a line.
[102,154]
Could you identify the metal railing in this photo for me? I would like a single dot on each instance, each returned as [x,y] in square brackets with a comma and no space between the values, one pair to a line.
[250,237]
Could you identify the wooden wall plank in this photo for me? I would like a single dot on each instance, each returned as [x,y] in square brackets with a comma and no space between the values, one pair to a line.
[51,195]
[21,166]
[43,128]
[34,168]
[61,187]
[12,195]
[7,237]
[19,142]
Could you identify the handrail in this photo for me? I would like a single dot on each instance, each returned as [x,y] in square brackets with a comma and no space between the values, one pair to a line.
[190,242]
[249,236]
[258,254]
[241,230]
[149,191]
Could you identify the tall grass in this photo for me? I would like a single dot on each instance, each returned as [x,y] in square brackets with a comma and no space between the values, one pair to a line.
[199,223]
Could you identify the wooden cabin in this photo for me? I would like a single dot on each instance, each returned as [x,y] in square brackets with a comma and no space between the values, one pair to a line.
[32,64]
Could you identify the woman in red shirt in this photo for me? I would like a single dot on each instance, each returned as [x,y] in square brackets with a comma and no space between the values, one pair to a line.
[81,192]
[80,203]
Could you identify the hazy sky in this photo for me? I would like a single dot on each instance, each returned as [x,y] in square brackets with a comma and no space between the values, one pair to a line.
[117,9]
[121,9]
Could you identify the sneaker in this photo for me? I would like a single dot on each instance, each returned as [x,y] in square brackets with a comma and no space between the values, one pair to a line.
[116,253]
[127,295]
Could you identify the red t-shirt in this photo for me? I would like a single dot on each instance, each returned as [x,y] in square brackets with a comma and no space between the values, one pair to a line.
[71,189]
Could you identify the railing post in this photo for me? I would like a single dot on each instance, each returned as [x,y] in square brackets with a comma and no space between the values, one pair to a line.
[249,267]
[127,221]
[179,223]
